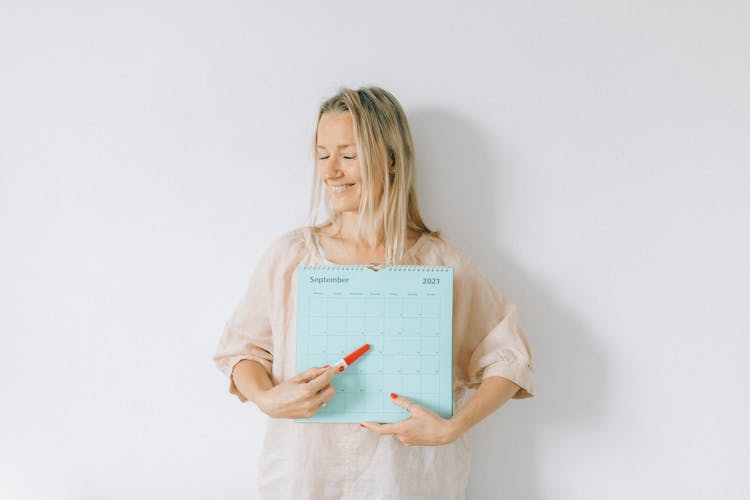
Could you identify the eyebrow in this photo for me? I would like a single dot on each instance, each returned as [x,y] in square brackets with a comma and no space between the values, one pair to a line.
[338,147]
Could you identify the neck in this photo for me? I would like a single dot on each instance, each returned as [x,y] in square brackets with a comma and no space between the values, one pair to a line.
[349,232]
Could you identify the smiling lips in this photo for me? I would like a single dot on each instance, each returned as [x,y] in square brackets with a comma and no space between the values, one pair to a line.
[340,188]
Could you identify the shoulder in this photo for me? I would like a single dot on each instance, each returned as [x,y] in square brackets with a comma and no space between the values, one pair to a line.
[293,238]
[444,250]
[287,247]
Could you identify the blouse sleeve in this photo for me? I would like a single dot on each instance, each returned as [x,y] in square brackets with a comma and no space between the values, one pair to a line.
[248,334]
[492,341]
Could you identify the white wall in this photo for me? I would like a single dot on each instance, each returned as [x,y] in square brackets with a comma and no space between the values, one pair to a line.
[149,151]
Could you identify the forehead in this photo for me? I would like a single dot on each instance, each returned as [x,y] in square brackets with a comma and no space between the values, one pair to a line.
[335,130]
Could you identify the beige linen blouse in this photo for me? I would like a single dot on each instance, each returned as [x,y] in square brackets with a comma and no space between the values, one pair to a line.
[332,461]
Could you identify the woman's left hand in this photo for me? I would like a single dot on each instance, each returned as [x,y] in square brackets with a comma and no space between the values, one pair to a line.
[422,428]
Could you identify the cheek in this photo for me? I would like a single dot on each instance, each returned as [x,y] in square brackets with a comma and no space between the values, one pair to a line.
[355,174]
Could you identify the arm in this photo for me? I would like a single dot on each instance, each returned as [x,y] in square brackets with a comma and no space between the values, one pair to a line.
[426,428]
[251,379]
[491,394]
[298,397]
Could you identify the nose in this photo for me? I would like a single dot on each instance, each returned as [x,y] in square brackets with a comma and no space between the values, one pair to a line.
[329,168]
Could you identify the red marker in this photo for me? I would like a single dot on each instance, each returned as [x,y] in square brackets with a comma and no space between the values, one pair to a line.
[346,361]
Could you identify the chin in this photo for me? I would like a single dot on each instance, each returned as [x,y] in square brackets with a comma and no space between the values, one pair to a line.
[347,209]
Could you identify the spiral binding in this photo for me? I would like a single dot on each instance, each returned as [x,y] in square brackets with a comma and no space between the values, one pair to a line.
[361,267]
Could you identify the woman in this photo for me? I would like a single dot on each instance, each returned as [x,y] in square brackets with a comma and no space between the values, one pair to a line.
[365,171]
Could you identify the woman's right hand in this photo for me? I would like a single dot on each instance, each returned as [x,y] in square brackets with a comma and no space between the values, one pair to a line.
[300,396]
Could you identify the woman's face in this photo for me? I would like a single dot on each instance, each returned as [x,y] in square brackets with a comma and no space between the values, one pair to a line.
[337,162]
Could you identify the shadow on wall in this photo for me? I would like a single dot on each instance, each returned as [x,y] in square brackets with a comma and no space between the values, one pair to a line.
[570,368]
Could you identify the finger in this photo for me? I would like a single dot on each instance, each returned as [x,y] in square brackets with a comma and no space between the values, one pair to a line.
[395,428]
[405,403]
[382,429]
[327,393]
[309,374]
[323,378]
[373,426]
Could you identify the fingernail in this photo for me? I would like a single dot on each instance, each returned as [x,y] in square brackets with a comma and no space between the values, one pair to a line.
[326,366]
[361,425]
[393,395]
[341,368]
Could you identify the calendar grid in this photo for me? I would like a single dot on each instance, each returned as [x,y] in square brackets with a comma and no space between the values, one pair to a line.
[403,312]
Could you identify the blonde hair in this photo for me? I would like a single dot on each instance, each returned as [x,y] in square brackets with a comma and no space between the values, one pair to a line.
[388,207]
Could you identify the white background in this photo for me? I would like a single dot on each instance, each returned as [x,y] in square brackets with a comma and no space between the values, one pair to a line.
[591,156]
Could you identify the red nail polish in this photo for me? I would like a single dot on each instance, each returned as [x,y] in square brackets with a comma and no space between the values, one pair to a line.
[341,368]
[361,425]
[326,366]
[393,395]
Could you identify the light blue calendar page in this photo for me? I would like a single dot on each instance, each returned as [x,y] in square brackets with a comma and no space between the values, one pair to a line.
[405,313]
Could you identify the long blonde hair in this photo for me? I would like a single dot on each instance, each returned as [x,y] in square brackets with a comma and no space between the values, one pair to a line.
[388,207]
